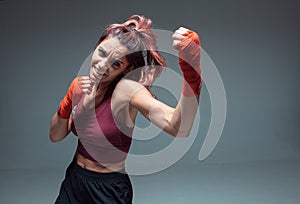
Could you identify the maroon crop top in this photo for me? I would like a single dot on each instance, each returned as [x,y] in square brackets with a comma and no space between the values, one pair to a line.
[100,138]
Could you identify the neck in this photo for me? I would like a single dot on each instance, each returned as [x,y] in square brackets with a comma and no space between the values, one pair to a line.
[102,89]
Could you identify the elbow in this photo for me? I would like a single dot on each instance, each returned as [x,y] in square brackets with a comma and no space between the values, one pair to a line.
[182,134]
[54,138]
[179,133]
[58,129]
[182,130]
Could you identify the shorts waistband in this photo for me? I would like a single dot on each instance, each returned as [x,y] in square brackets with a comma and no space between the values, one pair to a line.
[98,175]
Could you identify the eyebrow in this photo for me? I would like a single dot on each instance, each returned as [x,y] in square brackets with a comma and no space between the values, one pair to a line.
[112,59]
[117,60]
[102,50]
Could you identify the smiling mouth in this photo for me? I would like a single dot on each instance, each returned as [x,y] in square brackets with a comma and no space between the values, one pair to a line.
[97,73]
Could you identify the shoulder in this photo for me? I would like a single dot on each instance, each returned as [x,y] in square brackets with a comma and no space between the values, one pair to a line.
[126,89]
[127,83]
[129,93]
[122,100]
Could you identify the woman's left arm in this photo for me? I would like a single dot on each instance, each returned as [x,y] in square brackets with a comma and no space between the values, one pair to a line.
[177,121]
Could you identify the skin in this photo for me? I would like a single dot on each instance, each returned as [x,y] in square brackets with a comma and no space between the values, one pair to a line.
[129,98]
[107,63]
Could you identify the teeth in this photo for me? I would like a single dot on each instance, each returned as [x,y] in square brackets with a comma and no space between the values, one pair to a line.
[97,72]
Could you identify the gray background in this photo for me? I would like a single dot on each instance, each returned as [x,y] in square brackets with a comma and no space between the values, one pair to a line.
[254,44]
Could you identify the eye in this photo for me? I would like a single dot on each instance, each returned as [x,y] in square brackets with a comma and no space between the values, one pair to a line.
[116,64]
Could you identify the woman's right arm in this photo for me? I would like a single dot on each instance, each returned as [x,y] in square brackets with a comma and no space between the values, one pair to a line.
[59,128]
[60,125]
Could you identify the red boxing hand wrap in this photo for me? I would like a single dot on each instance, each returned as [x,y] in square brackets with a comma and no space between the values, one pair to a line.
[189,61]
[71,99]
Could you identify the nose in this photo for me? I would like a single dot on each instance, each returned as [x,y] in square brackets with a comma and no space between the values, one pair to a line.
[102,66]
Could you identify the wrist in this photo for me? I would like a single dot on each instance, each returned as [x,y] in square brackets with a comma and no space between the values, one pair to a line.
[190,89]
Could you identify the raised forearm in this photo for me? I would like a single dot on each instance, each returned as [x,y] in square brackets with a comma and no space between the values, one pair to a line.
[184,114]
[188,44]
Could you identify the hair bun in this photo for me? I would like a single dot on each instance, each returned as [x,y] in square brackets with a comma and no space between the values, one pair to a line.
[140,22]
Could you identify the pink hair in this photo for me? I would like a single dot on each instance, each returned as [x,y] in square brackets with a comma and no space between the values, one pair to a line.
[140,40]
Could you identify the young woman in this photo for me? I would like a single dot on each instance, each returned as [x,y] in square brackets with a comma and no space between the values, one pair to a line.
[124,64]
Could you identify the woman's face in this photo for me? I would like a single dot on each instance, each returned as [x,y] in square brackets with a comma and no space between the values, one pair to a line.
[108,61]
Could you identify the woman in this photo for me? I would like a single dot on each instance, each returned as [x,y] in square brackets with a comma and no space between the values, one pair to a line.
[124,64]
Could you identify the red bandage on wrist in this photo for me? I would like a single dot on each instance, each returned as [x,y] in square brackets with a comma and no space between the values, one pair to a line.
[189,61]
[71,99]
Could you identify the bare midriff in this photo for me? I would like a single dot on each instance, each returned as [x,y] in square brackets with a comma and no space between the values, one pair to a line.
[97,167]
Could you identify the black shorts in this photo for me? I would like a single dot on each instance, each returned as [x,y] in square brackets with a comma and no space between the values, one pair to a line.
[82,186]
